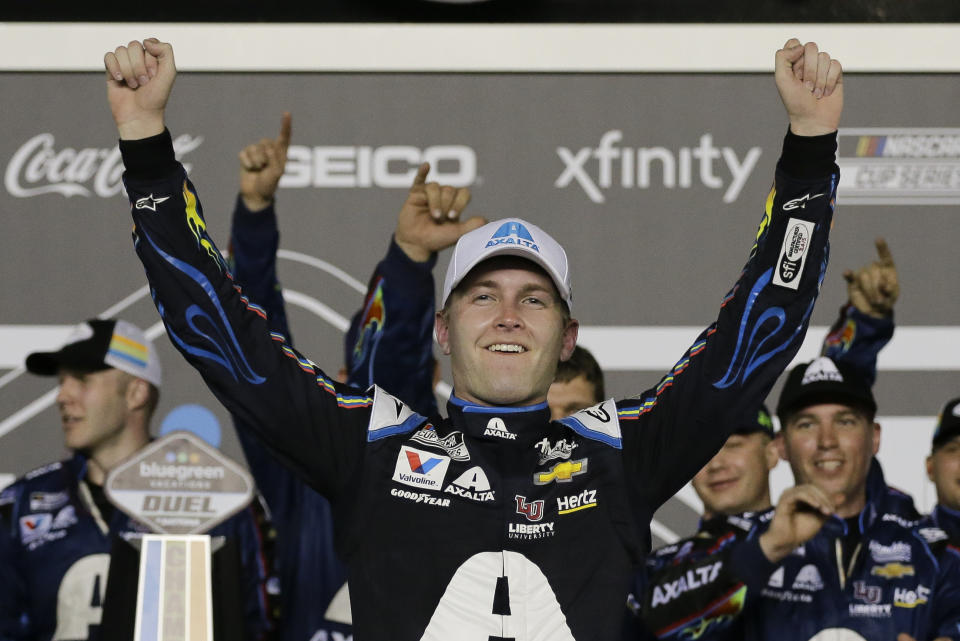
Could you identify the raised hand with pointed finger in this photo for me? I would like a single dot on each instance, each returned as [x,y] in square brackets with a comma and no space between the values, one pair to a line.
[430,218]
[139,81]
[262,165]
[810,83]
[874,288]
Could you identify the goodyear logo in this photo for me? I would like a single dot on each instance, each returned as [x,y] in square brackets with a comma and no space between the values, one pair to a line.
[892,570]
[562,472]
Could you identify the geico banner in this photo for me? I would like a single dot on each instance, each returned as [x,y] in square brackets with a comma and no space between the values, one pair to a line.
[387,166]
[655,185]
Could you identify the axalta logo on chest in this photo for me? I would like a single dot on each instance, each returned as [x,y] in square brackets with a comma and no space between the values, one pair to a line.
[693,579]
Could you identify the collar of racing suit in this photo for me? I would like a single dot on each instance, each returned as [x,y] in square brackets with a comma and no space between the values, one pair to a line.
[521,425]
[881,499]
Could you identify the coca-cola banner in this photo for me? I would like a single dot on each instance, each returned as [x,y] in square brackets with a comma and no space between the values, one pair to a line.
[654,183]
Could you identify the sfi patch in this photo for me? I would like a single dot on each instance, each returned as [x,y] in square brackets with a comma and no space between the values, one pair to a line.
[390,416]
[793,253]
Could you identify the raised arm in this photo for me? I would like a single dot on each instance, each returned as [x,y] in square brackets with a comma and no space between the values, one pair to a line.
[391,335]
[865,324]
[672,430]
[314,425]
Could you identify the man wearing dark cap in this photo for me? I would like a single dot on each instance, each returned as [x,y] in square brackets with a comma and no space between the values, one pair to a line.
[943,468]
[842,558]
[735,486]
[56,526]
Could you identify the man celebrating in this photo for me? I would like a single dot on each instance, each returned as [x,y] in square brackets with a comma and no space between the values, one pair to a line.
[467,527]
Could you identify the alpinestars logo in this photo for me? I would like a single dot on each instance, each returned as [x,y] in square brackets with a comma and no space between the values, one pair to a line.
[496,427]
[420,469]
[150,202]
[513,233]
[472,484]
[799,203]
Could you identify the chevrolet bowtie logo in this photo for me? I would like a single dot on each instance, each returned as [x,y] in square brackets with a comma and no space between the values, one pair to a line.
[562,472]
[892,570]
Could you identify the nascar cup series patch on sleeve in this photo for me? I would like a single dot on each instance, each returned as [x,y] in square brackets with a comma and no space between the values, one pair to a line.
[793,254]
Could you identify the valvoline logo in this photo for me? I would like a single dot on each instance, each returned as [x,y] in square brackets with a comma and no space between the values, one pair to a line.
[421,467]
[513,233]
[418,468]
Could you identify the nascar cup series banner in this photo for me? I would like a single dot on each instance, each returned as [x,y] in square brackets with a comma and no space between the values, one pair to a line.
[654,183]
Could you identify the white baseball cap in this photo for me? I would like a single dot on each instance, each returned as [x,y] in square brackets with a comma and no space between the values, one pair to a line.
[509,237]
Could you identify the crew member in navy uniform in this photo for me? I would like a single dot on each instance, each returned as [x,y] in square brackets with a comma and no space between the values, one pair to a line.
[843,552]
[57,529]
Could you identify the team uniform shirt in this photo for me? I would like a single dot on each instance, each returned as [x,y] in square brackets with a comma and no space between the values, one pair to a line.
[55,556]
[493,522]
[946,519]
[872,577]
[686,589]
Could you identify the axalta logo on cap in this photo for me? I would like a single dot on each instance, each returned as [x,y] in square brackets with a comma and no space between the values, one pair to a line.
[822,369]
[513,233]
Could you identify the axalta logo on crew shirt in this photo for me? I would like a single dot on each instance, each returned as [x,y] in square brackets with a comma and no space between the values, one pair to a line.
[347,166]
[38,168]
[496,427]
[808,578]
[691,580]
[513,233]
[420,469]
[639,167]
[472,484]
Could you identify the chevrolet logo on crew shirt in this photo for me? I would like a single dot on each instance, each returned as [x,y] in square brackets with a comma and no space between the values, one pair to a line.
[562,472]
[892,570]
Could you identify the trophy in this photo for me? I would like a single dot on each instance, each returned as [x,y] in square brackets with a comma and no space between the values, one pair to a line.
[180,487]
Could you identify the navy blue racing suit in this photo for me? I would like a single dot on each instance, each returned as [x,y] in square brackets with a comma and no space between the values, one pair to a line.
[55,556]
[312,578]
[896,577]
[495,521]
[686,589]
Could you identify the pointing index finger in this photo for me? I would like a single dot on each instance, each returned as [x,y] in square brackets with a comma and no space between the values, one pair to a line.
[286,126]
[421,177]
[883,251]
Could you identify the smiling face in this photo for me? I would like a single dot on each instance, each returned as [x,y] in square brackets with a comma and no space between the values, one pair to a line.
[93,407]
[943,469]
[505,330]
[831,446]
[737,478]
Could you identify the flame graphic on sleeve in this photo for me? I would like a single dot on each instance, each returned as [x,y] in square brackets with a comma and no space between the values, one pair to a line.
[372,321]
[197,225]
